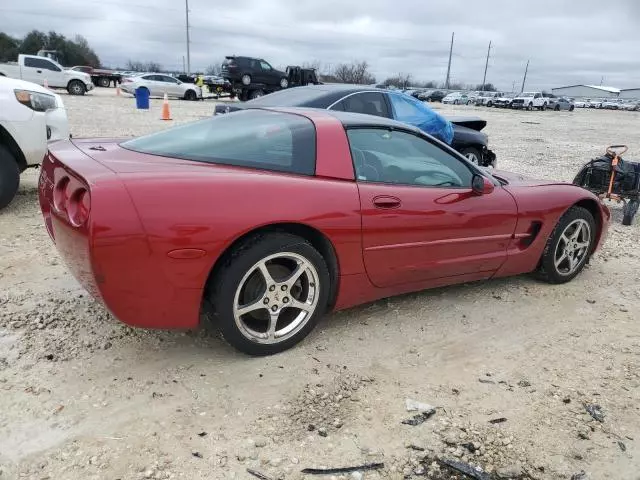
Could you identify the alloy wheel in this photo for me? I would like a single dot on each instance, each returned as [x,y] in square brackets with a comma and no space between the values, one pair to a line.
[276,298]
[572,247]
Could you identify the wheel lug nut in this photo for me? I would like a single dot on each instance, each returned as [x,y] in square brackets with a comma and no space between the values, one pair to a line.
[285,300]
[284,288]
[266,301]
[274,308]
[272,288]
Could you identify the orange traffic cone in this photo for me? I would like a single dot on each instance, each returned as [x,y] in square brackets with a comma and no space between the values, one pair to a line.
[166,114]
[45,84]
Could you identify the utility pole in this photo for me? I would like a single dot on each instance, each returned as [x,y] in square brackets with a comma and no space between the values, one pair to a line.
[513,87]
[525,76]
[601,80]
[486,65]
[184,65]
[446,83]
[186,4]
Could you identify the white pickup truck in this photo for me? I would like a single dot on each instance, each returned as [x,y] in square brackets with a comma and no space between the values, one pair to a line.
[35,69]
[531,100]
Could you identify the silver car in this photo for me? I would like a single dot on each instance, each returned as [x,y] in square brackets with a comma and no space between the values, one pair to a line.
[158,84]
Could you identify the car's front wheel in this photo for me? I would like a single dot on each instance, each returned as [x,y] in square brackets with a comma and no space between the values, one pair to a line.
[284,82]
[76,87]
[270,293]
[246,79]
[9,177]
[473,155]
[568,247]
[190,95]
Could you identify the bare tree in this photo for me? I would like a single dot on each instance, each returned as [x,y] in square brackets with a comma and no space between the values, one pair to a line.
[402,80]
[354,72]
[214,69]
[143,66]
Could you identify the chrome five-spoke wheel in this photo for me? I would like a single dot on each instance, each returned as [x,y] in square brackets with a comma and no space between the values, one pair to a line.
[276,298]
[269,292]
[573,247]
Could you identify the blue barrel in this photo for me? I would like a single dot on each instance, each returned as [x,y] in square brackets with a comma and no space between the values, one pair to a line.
[142,98]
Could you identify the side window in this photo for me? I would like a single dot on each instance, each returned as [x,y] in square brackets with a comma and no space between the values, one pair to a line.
[150,77]
[371,103]
[40,63]
[537,95]
[265,66]
[397,157]
[338,106]
[167,79]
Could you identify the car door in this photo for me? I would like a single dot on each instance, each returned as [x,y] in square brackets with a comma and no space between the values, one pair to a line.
[170,85]
[421,220]
[37,70]
[370,103]
[267,74]
[152,84]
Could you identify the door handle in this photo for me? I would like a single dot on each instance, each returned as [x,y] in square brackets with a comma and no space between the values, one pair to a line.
[386,201]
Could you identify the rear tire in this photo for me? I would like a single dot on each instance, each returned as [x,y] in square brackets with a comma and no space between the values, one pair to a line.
[489,104]
[9,177]
[190,95]
[571,108]
[284,82]
[76,87]
[557,108]
[256,94]
[246,79]
[564,256]
[240,283]
[104,82]
[473,155]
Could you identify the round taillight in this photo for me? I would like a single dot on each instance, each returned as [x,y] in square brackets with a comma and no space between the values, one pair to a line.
[79,207]
[60,194]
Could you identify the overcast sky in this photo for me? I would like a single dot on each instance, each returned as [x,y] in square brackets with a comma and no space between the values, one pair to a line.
[568,41]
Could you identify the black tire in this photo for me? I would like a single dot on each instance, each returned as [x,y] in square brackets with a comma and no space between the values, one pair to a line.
[543,107]
[530,107]
[455,102]
[471,151]
[190,95]
[489,104]
[9,177]
[629,211]
[246,79]
[557,108]
[468,102]
[221,293]
[104,82]
[547,269]
[284,82]
[571,108]
[76,87]
[256,94]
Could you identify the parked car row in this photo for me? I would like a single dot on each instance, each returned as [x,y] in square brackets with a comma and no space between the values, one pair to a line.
[610,104]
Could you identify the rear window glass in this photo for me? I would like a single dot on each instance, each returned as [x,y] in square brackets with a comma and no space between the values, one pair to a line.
[253,138]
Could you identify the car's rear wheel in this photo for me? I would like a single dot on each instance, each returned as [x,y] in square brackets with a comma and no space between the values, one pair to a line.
[104,82]
[284,82]
[76,87]
[468,102]
[571,108]
[629,211]
[489,103]
[9,177]
[256,94]
[246,79]
[455,102]
[270,293]
[557,108]
[568,247]
[190,95]
[473,155]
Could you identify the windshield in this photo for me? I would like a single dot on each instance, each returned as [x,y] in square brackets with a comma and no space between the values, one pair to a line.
[250,138]
[528,94]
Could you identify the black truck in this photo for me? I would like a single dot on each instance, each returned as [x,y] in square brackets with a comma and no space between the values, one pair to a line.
[251,78]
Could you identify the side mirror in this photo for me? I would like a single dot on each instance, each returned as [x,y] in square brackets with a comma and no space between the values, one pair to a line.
[481,185]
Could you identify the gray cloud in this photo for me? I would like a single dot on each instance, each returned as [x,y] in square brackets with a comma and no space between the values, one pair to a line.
[567,41]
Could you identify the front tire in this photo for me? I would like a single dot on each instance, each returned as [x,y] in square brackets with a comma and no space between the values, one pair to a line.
[190,95]
[568,247]
[455,102]
[270,293]
[473,155]
[246,80]
[9,177]
[104,82]
[629,211]
[76,87]
[256,94]
[530,107]
[284,82]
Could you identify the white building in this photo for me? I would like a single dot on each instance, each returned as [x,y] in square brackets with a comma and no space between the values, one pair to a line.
[630,93]
[586,91]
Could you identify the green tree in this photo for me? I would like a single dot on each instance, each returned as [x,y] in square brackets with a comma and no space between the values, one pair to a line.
[9,48]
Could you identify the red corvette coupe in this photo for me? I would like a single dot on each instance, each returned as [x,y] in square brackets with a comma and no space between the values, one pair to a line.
[262,220]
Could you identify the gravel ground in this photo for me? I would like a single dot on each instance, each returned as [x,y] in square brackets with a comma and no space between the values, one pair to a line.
[84,397]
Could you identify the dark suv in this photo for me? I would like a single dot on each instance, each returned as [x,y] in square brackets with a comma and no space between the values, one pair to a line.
[247,71]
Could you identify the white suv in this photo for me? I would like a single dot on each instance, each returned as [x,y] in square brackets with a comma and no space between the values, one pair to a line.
[30,117]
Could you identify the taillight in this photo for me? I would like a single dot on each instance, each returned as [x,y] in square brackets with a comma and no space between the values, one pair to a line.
[72,199]
[79,206]
[60,194]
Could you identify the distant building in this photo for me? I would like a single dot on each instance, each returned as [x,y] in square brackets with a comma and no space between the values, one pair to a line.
[630,93]
[586,91]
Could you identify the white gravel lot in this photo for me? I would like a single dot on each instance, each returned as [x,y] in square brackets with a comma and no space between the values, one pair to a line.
[84,397]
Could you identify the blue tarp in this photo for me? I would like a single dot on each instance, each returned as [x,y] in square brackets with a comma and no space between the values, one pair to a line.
[410,110]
